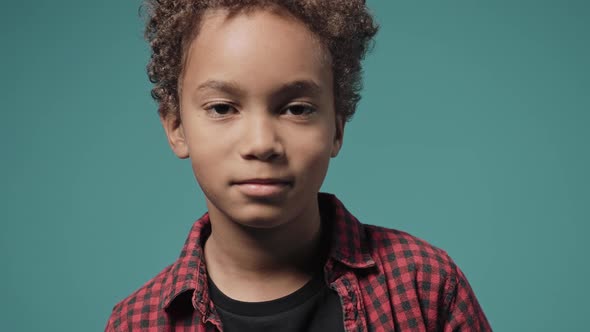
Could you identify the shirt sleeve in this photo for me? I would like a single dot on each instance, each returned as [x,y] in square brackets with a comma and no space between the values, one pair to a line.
[109,327]
[464,314]
[114,322]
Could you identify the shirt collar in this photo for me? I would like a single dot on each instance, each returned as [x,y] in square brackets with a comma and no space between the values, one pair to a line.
[189,273]
[348,246]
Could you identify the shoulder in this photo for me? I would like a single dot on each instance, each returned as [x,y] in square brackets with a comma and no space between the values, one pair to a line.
[143,300]
[415,270]
[398,244]
[401,252]
[427,278]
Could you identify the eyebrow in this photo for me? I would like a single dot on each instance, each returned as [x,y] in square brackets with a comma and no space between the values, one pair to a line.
[296,87]
[229,87]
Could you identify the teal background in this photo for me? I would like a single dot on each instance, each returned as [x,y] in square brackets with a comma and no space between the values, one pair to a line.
[473,134]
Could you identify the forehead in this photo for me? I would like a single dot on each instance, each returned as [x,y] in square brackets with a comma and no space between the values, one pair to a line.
[258,49]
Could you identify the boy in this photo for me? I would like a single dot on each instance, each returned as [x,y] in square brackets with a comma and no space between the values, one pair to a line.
[256,95]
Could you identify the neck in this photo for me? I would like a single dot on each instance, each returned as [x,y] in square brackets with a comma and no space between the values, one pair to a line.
[261,264]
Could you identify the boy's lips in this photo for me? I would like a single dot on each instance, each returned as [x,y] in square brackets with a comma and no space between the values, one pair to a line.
[263,187]
[264,181]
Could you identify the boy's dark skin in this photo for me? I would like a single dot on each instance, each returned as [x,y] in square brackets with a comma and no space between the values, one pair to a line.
[259,126]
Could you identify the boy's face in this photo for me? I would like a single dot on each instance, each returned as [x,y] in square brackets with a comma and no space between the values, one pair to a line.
[258,118]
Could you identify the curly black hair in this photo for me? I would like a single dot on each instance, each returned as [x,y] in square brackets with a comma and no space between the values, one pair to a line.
[344,27]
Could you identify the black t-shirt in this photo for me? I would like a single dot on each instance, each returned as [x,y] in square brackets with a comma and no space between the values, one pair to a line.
[313,308]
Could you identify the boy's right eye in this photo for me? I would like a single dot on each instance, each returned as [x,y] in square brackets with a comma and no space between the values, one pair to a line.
[220,110]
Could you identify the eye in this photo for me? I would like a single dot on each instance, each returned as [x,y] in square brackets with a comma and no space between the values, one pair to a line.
[299,110]
[220,110]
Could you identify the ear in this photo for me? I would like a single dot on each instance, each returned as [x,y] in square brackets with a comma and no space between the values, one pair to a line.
[338,136]
[175,133]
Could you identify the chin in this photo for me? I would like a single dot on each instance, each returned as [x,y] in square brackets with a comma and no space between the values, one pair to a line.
[261,217]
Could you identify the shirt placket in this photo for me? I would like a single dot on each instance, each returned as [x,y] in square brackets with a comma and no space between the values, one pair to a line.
[204,307]
[352,309]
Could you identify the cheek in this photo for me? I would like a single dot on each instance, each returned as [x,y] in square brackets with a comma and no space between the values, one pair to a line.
[206,158]
[312,152]
[207,154]
[207,165]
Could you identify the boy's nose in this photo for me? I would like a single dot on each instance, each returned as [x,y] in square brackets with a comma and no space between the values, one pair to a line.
[260,139]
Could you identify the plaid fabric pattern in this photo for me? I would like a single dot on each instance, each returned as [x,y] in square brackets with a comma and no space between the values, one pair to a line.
[387,280]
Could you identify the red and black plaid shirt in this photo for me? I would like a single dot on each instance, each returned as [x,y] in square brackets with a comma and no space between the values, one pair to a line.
[387,281]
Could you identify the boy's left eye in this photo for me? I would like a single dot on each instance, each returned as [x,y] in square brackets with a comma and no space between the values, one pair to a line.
[299,110]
